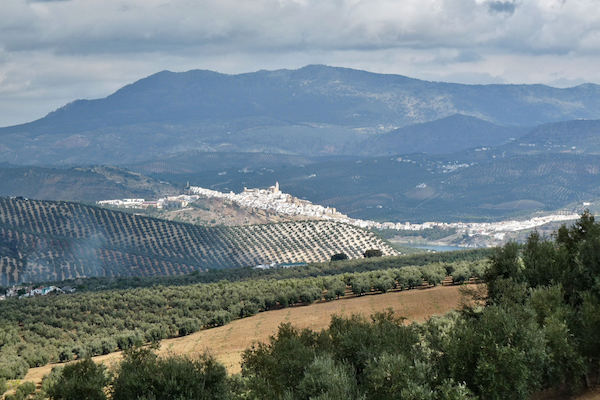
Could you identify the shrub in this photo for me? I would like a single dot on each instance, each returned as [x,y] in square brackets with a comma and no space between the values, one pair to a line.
[373,253]
[25,389]
[325,379]
[82,380]
[142,375]
[339,257]
[13,367]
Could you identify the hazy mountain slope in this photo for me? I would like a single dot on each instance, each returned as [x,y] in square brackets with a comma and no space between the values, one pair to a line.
[538,182]
[79,184]
[579,136]
[43,240]
[309,111]
[446,135]
[198,161]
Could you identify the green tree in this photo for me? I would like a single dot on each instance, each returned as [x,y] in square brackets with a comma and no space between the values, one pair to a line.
[83,380]
[339,257]
[384,283]
[13,367]
[324,379]
[142,375]
[500,353]
[277,368]
[24,390]
[539,261]
[360,285]
[398,376]
[373,253]
[505,264]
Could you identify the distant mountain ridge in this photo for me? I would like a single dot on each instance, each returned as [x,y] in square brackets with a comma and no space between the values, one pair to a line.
[315,110]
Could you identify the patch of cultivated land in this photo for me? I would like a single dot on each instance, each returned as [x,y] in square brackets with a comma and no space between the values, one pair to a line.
[228,342]
[53,241]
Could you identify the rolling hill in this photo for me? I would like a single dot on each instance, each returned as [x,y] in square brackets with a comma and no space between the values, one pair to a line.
[46,240]
[315,110]
[87,184]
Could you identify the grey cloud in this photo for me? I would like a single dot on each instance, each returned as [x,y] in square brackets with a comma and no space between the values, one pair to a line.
[89,48]
[507,7]
[468,56]
[179,26]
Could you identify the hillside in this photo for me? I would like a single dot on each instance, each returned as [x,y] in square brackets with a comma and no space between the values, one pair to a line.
[217,212]
[443,136]
[315,110]
[227,342]
[44,240]
[578,137]
[79,184]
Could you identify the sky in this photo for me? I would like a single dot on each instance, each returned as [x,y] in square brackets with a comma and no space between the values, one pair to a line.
[55,51]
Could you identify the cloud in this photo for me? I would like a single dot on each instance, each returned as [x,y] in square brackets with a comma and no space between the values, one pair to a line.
[52,52]
[507,7]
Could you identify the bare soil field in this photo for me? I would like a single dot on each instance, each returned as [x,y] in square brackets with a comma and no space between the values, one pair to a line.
[228,342]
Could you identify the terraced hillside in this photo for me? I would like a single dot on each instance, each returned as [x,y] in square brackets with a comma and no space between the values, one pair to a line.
[48,240]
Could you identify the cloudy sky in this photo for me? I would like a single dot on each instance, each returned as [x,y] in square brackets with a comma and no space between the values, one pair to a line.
[55,51]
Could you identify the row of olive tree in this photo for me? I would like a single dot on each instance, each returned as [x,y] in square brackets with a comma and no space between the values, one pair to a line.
[34,332]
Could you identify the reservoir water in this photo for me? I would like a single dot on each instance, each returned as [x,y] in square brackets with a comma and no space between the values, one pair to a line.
[438,248]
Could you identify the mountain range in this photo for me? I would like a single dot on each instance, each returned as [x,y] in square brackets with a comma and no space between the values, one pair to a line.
[375,146]
[313,111]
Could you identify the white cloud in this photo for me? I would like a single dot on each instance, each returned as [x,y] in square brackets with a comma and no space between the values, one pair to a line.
[54,51]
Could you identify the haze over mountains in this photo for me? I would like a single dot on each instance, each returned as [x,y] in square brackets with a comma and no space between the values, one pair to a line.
[372,145]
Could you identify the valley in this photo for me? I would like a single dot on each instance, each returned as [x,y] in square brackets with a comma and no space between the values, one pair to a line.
[203,210]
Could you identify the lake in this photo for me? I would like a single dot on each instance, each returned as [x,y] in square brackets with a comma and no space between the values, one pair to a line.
[438,248]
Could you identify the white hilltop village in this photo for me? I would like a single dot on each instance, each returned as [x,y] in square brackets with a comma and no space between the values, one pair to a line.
[274,200]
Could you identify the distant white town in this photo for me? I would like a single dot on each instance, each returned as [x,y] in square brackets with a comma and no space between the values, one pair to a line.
[273,200]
